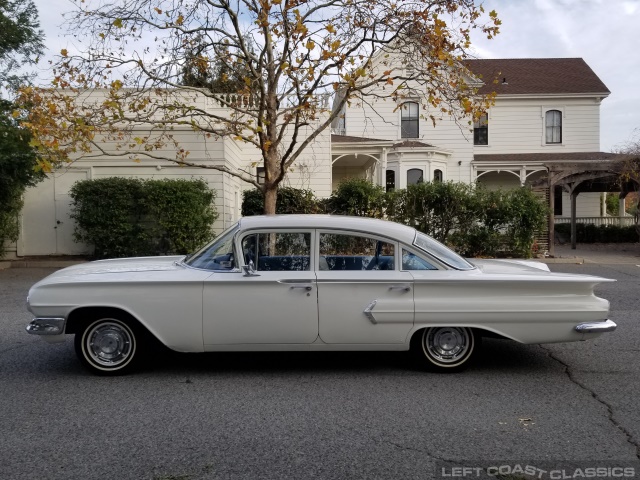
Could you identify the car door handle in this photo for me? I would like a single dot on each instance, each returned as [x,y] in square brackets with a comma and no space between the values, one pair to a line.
[405,288]
[307,287]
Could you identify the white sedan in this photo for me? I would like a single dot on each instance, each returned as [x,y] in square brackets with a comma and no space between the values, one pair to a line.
[313,282]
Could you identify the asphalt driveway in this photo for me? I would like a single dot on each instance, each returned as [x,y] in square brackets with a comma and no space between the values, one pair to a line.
[306,415]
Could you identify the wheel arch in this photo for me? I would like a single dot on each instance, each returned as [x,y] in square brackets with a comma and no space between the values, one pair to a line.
[480,330]
[81,316]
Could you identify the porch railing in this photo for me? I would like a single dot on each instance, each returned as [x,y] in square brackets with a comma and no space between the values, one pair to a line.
[598,221]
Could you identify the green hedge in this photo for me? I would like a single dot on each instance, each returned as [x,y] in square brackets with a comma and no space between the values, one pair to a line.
[290,200]
[123,217]
[471,219]
[590,233]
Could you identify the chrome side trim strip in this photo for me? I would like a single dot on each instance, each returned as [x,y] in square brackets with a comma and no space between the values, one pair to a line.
[596,327]
[369,312]
[46,326]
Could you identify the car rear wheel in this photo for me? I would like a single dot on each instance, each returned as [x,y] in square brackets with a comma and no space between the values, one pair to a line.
[445,349]
[109,346]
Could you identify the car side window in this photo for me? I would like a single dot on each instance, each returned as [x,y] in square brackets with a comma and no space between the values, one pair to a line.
[355,252]
[218,256]
[275,251]
[411,261]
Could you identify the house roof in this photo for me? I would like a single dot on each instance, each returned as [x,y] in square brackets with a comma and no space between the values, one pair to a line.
[411,144]
[521,76]
[350,139]
[544,157]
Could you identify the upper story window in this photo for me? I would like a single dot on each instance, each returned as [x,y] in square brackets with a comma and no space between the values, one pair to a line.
[437,175]
[409,115]
[415,176]
[260,176]
[481,130]
[553,126]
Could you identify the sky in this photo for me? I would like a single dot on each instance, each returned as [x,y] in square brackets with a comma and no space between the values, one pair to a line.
[602,32]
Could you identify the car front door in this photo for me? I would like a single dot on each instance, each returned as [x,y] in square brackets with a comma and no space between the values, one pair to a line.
[363,297]
[275,302]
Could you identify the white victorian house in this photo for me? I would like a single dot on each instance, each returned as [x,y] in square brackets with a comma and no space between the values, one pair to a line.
[547,111]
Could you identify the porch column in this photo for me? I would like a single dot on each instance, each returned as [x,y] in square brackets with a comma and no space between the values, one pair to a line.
[552,219]
[621,207]
[523,175]
[574,194]
[383,168]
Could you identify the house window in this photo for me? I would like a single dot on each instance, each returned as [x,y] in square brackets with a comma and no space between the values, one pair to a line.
[553,126]
[437,175]
[415,176]
[260,176]
[481,131]
[557,201]
[391,180]
[409,117]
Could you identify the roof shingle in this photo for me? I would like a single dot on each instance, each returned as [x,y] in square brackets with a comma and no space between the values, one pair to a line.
[520,76]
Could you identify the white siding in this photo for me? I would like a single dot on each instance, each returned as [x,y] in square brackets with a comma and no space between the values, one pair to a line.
[517,126]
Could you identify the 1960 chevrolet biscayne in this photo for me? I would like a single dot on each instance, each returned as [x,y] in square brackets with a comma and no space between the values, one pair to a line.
[313,282]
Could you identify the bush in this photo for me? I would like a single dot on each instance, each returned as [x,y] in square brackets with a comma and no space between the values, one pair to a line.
[590,233]
[124,217]
[357,197]
[471,219]
[290,201]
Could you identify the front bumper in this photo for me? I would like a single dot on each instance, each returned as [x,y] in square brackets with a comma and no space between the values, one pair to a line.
[596,327]
[47,326]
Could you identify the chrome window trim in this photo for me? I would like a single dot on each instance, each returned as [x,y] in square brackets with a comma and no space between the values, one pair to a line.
[471,265]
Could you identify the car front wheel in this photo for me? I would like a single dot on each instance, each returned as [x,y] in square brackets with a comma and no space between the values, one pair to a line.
[445,349]
[108,346]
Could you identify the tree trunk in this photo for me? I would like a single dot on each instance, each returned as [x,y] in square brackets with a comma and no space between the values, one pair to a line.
[270,197]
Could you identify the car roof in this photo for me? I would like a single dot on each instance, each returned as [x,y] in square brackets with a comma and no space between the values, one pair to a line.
[341,222]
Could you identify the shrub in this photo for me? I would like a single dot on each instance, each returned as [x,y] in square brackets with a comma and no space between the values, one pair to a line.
[289,201]
[357,197]
[590,233]
[124,217]
[473,220]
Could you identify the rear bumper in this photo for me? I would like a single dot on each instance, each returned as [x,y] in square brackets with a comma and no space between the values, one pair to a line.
[46,326]
[596,327]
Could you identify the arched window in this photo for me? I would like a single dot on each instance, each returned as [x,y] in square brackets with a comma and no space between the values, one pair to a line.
[409,119]
[391,180]
[437,175]
[553,126]
[415,176]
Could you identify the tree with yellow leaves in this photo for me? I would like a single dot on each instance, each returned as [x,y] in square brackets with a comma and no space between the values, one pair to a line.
[293,55]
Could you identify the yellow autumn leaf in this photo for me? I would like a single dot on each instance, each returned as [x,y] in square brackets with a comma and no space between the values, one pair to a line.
[311,45]
[331,29]
[63,52]
[180,20]
[117,23]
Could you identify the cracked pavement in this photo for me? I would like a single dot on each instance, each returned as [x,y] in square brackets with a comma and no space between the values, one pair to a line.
[303,415]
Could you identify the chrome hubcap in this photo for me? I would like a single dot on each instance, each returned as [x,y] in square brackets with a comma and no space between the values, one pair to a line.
[447,344]
[109,344]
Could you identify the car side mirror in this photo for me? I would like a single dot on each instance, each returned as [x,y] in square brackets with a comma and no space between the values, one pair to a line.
[249,270]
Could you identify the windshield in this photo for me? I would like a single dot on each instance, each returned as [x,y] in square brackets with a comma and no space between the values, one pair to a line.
[217,255]
[442,253]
